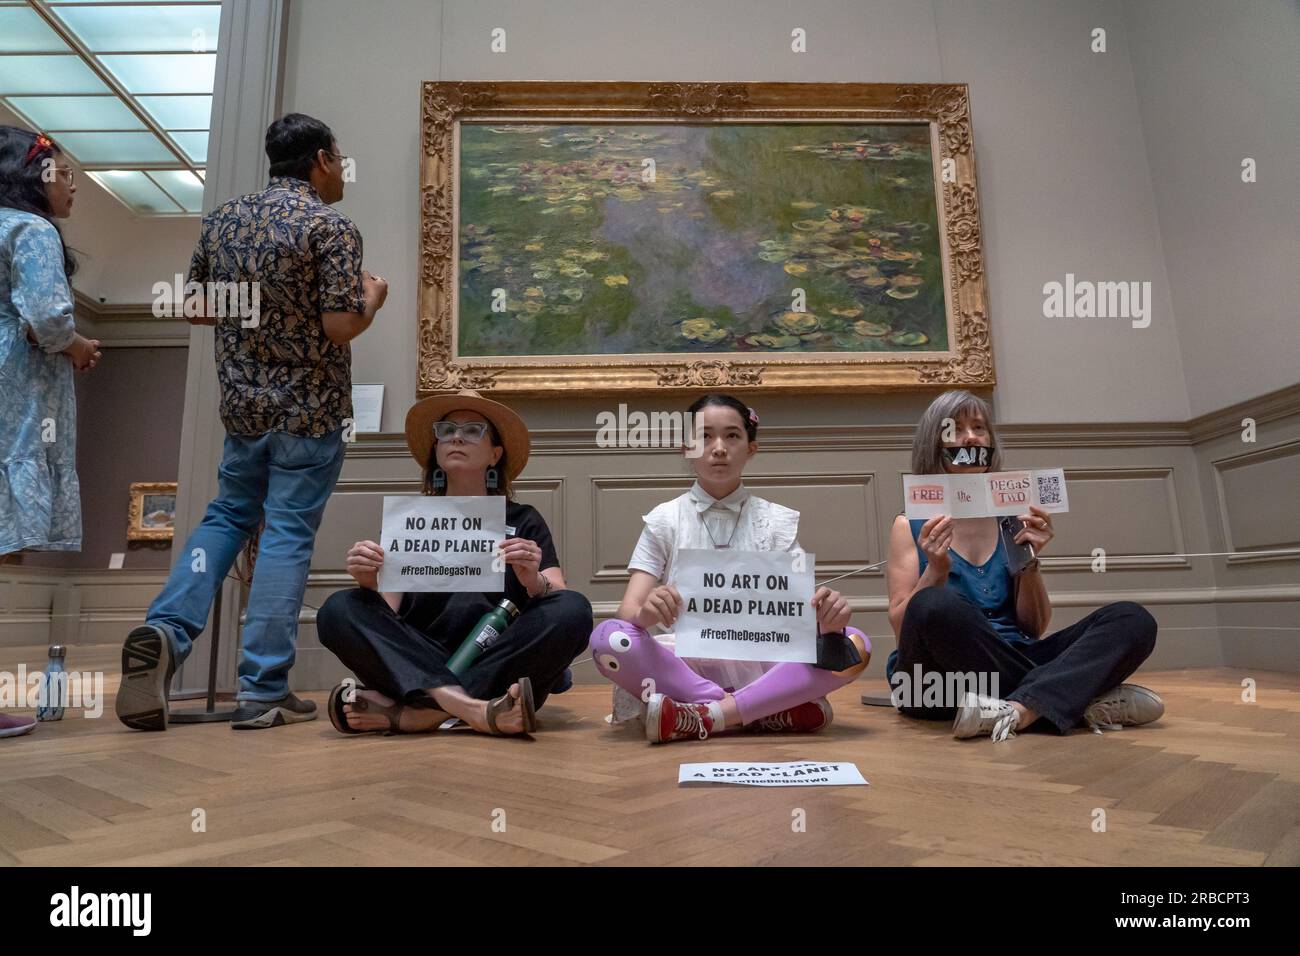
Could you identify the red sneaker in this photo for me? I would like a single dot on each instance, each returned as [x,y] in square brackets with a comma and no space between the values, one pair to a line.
[667,720]
[805,719]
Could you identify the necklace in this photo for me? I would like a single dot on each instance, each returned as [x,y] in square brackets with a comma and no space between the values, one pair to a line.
[721,547]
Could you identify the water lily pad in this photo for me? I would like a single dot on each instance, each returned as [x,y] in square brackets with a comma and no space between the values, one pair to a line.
[797,323]
[702,330]
[870,328]
[796,268]
[807,225]
[533,292]
[804,204]
[617,280]
[907,279]
[774,255]
[533,247]
[723,194]
[573,295]
[908,338]
[850,312]
[902,293]
[863,272]
[773,341]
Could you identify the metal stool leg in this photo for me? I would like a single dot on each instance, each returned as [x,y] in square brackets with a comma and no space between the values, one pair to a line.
[209,714]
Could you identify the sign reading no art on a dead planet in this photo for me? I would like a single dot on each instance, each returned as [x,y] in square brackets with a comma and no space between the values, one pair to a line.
[446,543]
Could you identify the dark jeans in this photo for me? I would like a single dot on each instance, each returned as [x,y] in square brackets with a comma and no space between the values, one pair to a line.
[405,656]
[1057,676]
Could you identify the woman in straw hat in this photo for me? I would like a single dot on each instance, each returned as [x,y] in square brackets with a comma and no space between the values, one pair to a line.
[398,644]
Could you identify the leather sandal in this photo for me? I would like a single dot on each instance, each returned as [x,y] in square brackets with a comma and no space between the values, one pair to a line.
[362,705]
[506,703]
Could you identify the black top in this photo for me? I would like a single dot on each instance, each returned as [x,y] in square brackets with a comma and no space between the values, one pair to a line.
[522,521]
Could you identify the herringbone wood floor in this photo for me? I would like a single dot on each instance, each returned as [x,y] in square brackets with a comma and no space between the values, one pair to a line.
[1217,781]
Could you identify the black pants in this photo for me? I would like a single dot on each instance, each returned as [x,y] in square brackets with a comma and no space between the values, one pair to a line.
[405,656]
[1057,676]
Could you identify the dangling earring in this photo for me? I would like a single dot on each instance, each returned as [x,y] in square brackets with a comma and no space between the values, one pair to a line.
[492,478]
[439,481]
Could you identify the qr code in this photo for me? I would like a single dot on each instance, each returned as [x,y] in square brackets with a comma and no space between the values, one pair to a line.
[1049,489]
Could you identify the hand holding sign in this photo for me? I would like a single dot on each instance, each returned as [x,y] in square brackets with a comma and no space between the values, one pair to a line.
[525,557]
[1037,530]
[365,558]
[662,605]
[833,612]
[935,539]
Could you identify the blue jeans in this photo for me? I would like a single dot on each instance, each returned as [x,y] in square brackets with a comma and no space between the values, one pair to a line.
[287,480]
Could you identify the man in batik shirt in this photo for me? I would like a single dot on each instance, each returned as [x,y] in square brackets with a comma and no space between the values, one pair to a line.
[279,275]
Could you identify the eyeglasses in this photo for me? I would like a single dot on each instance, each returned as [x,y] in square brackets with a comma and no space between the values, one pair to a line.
[65,172]
[470,431]
[339,156]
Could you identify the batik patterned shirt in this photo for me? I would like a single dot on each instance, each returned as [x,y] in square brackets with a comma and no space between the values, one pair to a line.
[277,370]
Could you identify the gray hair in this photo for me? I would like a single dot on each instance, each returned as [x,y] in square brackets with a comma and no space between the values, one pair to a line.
[926,457]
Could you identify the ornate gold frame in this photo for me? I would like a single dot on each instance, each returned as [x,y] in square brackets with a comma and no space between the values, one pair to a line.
[135,511]
[944,106]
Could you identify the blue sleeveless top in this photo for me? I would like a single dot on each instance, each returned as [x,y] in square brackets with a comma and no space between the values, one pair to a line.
[989,586]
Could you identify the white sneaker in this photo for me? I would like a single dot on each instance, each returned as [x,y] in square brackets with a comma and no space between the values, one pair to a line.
[979,715]
[1127,705]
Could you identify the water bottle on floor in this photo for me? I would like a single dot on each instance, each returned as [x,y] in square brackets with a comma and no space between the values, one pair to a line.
[50,702]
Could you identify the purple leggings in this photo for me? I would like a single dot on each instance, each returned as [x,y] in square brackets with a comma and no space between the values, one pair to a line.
[628,654]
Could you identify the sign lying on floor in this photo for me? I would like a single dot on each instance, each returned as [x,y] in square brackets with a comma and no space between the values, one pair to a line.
[986,495]
[800,773]
[445,543]
[746,605]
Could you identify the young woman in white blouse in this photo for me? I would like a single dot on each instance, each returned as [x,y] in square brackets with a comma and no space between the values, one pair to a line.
[698,698]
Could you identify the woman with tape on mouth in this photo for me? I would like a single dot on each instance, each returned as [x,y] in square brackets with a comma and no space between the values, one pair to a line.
[958,608]
[700,698]
[398,644]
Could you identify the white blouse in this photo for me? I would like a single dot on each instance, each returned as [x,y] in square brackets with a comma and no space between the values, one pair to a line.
[739,522]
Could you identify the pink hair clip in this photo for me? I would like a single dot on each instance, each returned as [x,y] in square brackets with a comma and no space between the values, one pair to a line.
[753,415]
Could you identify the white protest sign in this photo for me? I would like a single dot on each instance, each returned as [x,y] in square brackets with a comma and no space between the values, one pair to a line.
[745,605]
[799,773]
[985,495]
[443,543]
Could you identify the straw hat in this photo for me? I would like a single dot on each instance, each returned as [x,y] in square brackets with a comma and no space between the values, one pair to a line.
[510,428]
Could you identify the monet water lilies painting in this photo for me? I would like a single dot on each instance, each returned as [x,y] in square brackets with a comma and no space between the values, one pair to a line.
[669,238]
[587,248]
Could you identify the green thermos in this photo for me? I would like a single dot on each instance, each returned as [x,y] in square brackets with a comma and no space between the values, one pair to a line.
[484,635]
